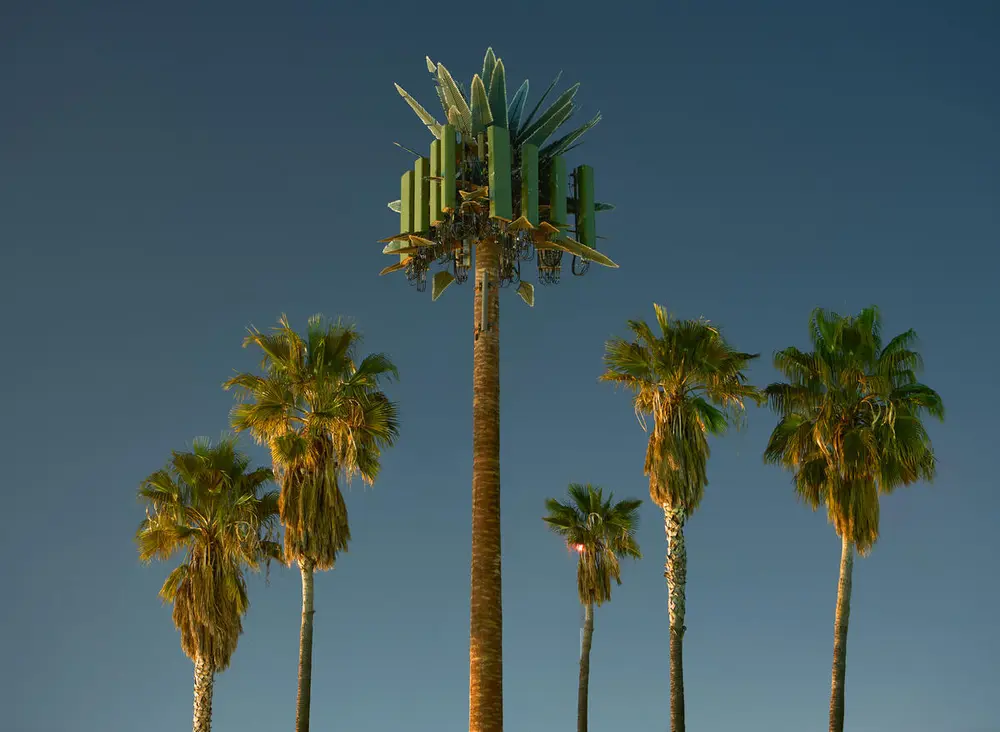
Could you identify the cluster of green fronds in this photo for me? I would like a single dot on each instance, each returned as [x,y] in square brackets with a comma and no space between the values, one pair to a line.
[487,104]
[601,531]
[208,504]
[850,423]
[690,383]
[323,416]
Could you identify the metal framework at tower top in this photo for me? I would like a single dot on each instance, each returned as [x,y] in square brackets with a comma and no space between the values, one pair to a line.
[491,177]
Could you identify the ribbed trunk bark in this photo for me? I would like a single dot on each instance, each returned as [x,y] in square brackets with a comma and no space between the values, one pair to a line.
[583,694]
[204,685]
[305,648]
[486,623]
[676,574]
[840,637]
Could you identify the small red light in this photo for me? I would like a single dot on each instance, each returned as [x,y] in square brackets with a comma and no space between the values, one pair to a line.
[579,548]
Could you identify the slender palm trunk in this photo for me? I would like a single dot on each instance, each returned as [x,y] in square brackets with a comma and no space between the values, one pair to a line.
[305,648]
[204,685]
[676,574]
[582,696]
[840,636]
[485,623]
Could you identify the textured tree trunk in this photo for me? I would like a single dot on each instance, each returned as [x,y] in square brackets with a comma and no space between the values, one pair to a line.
[204,684]
[305,648]
[582,696]
[486,620]
[676,574]
[840,637]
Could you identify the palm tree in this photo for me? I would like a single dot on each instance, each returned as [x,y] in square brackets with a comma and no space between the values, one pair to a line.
[600,532]
[690,382]
[850,430]
[323,416]
[493,193]
[208,504]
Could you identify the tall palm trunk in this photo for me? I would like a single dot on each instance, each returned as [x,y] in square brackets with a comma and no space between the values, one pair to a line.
[485,624]
[840,636]
[582,696]
[204,685]
[676,574]
[305,648]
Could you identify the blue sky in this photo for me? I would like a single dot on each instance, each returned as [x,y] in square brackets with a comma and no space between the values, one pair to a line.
[172,175]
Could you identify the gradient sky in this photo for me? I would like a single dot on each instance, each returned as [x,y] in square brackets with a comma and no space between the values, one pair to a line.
[172,175]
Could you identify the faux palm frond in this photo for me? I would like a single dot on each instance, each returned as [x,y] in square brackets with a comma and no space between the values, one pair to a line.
[498,95]
[481,115]
[426,117]
[538,105]
[517,107]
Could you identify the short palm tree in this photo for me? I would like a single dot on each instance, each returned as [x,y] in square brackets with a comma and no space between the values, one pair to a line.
[208,504]
[323,416]
[601,532]
[850,429]
[690,382]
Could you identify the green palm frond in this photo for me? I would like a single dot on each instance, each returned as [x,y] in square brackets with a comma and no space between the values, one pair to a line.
[560,108]
[489,64]
[546,127]
[481,115]
[850,419]
[455,100]
[560,146]
[687,382]
[209,504]
[426,117]
[601,531]
[516,107]
[324,418]
[498,95]
[538,105]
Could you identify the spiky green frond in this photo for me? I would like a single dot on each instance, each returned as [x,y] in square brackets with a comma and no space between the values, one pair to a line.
[489,64]
[481,115]
[426,117]
[498,95]
[561,145]
[538,105]
[322,414]
[560,109]
[689,383]
[601,530]
[516,107]
[455,100]
[850,419]
[211,506]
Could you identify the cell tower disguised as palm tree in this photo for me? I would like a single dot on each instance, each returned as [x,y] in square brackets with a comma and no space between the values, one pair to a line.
[496,189]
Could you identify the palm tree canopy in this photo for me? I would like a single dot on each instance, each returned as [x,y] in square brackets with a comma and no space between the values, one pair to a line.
[691,383]
[600,531]
[321,413]
[850,419]
[486,102]
[208,504]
